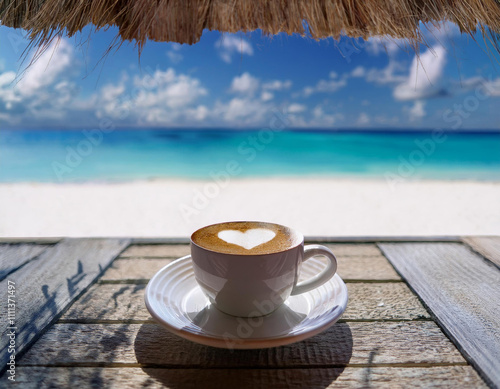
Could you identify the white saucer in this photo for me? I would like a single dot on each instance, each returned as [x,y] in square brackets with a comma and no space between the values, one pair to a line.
[176,301]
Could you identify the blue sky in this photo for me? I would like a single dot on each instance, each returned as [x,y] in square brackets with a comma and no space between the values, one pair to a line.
[239,80]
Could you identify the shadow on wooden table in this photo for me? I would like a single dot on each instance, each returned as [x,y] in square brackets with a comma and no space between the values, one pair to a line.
[179,363]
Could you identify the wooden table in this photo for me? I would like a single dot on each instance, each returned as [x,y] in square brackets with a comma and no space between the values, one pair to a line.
[421,312]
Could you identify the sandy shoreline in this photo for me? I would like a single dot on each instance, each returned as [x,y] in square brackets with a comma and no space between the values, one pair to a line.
[315,206]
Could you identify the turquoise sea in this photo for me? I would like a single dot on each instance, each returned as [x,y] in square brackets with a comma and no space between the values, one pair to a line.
[119,155]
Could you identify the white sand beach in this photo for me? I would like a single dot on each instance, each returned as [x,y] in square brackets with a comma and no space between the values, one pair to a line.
[315,206]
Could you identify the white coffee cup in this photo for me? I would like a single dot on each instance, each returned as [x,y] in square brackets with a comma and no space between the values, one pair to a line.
[256,285]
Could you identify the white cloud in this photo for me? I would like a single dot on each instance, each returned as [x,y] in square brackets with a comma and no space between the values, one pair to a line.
[245,84]
[160,98]
[324,119]
[440,32]
[242,110]
[171,89]
[48,67]
[296,108]
[111,92]
[424,80]
[493,87]
[266,96]
[327,86]
[229,44]
[363,119]
[199,113]
[6,79]
[6,87]
[433,34]
[319,116]
[417,112]
[391,74]
[174,56]
[382,44]
[43,91]
[359,71]
[489,87]
[277,85]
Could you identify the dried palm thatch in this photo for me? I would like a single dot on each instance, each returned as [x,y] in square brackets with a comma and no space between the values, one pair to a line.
[183,21]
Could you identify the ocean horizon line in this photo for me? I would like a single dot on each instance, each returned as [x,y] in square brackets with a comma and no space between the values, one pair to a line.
[394,131]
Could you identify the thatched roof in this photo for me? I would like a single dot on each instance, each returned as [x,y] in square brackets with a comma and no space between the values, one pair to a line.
[183,21]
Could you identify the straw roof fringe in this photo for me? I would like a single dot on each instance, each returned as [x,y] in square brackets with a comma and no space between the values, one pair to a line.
[183,21]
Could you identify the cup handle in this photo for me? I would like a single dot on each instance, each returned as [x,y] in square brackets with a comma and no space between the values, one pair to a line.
[320,278]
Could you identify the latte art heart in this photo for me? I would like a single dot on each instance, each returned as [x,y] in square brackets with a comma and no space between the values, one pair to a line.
[248,239]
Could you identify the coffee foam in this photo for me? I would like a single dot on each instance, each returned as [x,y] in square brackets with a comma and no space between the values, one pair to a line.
[246,238]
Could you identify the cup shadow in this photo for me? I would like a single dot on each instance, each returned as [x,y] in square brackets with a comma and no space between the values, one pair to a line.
[178,363]
[217,323]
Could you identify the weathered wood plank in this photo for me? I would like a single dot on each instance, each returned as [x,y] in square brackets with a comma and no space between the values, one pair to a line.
[150,344]
[179,250]
[110,302]
[134,269]
[354,250]
[383,301]
[13,256]
[349,268]
[156,251]
[451,377]
[372,301]
[366,268]
[463,292]
[488,246]
[381,238]
[45,286]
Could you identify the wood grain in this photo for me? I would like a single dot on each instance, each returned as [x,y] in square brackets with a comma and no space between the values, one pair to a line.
[110,302]
[45,286]
[488,246]
[140,270]
[13,256]
[372,301]
[463,292]
[354,250]
[156,251]
[149,344]
[179,250]
[134,269]
[384,301]
[451,377]
[376,268]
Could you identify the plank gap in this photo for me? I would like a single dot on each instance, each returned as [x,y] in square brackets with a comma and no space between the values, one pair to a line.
[464,307]
[151,321]
[22,262]
[142,281]
[44,295]
[149,257]
[487,247]
[244,367]
[124,282]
